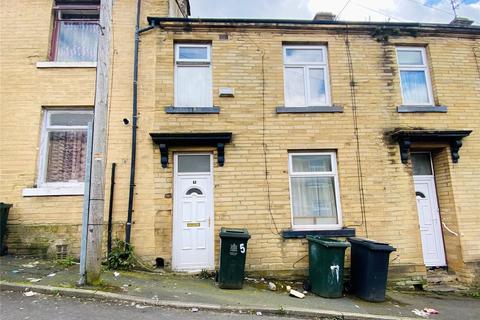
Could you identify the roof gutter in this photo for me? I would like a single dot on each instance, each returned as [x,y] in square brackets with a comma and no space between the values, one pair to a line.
[286,23]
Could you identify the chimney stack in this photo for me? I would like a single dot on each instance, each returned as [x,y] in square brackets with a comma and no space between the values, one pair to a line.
[461,22]
[324,16]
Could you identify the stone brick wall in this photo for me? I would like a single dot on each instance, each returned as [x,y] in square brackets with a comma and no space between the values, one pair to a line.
[240,187]
[26,90]
[251,62]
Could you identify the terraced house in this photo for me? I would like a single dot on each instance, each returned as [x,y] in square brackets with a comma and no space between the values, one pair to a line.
[284,127]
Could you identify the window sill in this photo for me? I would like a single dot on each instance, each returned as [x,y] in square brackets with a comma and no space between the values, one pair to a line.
[324,109]
[192,110]
[53,191]
[66,64]
[294,234]
[421,109]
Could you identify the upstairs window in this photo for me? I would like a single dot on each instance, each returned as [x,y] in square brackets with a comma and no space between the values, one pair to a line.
[64,147]
[75,30]
[414,77]
[314,191]
[193,75]
[306,76]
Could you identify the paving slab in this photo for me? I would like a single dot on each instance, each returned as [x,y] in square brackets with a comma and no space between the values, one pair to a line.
[191,290]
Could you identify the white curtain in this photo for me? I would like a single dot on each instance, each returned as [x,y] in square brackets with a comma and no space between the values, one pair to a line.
[414,86]
[313,200]
[194,86]
[77,41]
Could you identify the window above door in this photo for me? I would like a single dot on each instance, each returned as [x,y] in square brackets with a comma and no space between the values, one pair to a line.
[193,76]
[422,163]
[306,76]
[415,82]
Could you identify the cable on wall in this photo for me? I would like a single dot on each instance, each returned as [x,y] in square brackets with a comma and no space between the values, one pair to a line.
[355,131]
[264,145]
[476,54]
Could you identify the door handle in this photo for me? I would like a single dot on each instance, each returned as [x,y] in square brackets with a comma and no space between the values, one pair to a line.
[209,218]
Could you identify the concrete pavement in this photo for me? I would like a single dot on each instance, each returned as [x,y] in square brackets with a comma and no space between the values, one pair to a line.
[168,289]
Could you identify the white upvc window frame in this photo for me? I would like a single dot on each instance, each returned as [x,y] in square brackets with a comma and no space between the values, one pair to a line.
[306,69]
[185,63]
[43,155]
[333,173]
[415,67]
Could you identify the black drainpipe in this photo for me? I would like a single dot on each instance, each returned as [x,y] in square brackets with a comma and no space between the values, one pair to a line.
[110,209]
[138,31]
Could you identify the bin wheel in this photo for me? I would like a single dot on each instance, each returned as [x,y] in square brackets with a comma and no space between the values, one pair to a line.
[307,286]
[347,286]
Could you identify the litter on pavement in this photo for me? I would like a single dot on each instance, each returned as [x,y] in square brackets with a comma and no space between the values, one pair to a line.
[430,311]
[29,293]
[420,313]
[296,294]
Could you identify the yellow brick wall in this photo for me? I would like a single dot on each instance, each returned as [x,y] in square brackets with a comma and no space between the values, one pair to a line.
[26,90]
[240,187]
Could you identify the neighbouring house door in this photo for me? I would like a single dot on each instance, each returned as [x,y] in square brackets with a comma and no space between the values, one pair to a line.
[192,247]
[428,212]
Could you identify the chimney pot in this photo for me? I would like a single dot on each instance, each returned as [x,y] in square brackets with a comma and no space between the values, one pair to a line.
[324,16]
[461,22]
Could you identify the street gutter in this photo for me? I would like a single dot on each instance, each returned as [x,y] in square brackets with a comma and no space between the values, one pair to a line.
[108,296]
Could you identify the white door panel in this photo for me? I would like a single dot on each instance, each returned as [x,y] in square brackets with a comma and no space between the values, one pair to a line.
[192,248]
[429,219]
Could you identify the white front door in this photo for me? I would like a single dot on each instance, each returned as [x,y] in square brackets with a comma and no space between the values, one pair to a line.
[428,212]
[192,247]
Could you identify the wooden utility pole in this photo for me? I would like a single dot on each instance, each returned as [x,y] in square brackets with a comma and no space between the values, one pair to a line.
[99,149]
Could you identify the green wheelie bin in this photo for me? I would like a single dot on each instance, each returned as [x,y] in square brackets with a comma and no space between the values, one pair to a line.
[4,208]
[233,251]
[326,265]
[369,268]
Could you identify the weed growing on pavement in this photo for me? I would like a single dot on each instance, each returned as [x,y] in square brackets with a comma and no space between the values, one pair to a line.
[121,257]
[206,274]
[65,262]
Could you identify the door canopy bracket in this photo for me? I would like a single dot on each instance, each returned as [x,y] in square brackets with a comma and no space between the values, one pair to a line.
[206,139]
[452,137]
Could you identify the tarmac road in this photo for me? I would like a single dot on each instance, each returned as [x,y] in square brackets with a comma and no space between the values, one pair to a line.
[16,306]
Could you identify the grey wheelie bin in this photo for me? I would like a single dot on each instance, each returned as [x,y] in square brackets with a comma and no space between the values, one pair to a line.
[369,268]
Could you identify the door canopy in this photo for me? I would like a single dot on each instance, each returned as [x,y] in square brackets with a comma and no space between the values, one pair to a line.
[452,137]
[204,139]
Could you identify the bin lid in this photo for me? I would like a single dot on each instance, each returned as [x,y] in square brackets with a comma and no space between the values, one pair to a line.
[372,244]
[234,233]
[5,205]
[328,242]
